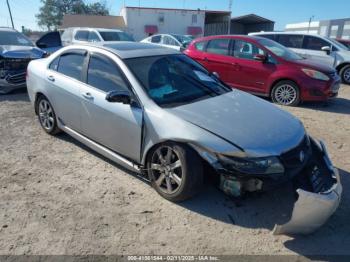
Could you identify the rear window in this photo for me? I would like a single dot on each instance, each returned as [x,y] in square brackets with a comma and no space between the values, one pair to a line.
[291,41]
[218,46]
[71,65]
[82,36]
[156,39]
[115,36]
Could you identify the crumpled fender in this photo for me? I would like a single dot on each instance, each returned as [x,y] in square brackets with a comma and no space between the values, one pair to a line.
[312,210]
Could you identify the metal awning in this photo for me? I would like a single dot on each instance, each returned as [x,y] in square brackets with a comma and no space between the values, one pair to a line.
[251,19]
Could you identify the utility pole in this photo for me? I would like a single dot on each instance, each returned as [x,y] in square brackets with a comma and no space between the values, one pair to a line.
[230,5]
[8,6]
[308,29]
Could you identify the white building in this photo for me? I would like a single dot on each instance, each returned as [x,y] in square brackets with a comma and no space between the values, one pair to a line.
[304,27]
[142,22]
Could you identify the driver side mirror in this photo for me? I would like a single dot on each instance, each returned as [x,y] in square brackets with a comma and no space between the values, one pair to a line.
[326,49]
[216,74]
[261,58]
[123,97]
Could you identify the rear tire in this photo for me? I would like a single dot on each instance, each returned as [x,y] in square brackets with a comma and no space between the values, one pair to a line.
[175,171]
[345,74]
[286,93]
[46,115]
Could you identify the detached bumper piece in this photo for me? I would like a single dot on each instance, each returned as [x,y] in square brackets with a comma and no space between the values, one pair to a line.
[318,196]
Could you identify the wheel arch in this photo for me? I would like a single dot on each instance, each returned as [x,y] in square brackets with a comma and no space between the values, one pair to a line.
[341,66]
[37,96]
[148,151]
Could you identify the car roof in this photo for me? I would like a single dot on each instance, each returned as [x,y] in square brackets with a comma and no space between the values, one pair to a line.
[7,29]
[126,50]
[93,28]
[283,33]
[242,37]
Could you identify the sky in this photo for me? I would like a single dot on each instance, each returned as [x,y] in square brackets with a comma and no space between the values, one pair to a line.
[280,11]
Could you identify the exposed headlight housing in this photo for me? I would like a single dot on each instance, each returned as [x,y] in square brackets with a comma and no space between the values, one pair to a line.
[315,74]
[252,166]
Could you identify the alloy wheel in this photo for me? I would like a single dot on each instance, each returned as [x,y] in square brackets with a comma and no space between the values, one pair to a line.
[347,75]
[46,115]
[166,168]
[285,94]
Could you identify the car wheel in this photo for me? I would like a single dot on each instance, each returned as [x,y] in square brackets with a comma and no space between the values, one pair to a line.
[345,74]
[175,171]
[47,116]
[286,93]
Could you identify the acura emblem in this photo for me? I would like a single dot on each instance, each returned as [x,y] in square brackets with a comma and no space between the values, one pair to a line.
[301,156]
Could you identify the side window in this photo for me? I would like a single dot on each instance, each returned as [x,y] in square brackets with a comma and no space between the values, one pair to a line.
[71,65]
[93,37]
[291,41]
[218,46]
[81,35]
[54,64]
[200,46]
[272,37]
[315,43]
[246,50]
[169,41]
[156,39]
[104,75]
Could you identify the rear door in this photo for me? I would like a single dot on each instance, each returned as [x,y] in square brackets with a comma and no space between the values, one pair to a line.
[64,78]
[251,75]
[216,58]
[117,126]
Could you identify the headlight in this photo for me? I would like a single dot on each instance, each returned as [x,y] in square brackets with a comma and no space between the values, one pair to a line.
[315,74]
[253,166]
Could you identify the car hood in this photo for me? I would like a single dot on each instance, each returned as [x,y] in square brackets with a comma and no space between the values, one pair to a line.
[314,64]
[257,127]
[31,52]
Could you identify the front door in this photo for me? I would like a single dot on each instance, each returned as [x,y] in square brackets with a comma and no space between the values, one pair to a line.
[116,126]
[251,75]
[312,47]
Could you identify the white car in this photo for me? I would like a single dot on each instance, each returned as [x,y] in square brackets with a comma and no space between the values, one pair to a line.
[177,42]
[80,35]
[319,48]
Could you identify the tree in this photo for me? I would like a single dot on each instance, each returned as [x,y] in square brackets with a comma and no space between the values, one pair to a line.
[52,11]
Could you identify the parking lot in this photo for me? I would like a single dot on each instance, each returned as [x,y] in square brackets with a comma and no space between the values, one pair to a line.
[58,197]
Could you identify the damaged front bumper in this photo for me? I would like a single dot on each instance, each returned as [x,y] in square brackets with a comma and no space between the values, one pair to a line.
[318,188]
[313,209]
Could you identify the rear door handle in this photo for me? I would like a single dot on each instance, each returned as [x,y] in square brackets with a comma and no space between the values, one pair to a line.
[87,96]
[51,78]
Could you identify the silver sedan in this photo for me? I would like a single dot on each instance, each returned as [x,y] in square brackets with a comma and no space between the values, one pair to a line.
[157,112]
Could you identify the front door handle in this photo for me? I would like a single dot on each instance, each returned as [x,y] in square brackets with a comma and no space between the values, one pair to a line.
[87,96]
[51,78]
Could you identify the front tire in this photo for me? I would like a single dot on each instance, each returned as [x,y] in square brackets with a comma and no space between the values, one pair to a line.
[345,74]
[47,116]
[286,93]
[175,171]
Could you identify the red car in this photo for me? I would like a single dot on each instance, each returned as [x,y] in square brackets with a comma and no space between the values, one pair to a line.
[345,42]
[263,67]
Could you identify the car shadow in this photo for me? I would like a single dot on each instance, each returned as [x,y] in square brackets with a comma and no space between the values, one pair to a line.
[336,105]
[264,211]
[15,96]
